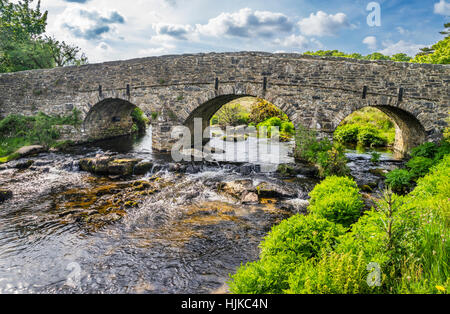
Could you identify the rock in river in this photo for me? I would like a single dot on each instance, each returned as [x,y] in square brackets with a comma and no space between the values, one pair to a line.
[111,166]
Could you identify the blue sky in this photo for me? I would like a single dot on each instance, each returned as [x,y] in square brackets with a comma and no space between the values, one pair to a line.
[119,29]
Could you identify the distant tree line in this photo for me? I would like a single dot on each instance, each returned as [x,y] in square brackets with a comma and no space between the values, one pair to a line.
[439,53]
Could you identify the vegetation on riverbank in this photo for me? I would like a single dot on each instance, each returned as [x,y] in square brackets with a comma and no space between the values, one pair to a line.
[17,131]
[140,121]
[368,127]
[329,158]
[399,246]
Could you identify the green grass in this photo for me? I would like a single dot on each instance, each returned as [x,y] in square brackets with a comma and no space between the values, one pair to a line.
[17,131]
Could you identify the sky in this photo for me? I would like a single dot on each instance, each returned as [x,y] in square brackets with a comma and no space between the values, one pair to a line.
[123,29]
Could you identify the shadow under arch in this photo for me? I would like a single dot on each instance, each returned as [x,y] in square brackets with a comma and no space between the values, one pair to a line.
[109,118]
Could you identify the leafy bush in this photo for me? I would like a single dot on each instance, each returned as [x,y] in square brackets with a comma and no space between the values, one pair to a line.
[140,120]
[332,274]
[333,162]
[329,158]
[427,150]
[288,244]
[266,276]
[263,110]
[215,120]
[338,200]
[370,136]
[419,166]
[347,133]
[301,237]
[399,180]
[375,157]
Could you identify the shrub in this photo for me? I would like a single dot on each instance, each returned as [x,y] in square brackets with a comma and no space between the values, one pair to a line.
[329,158]
[338,200]
[419,166]
[285,247]
[333,162]
[347,133]
[334,273]
[370,136]
[427,150]
[375,157]
[140,120]
[266,276]
[263,110]
[301,237]
[399,180]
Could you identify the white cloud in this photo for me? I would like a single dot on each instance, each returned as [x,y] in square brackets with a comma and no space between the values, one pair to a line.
[442,8]
[176,31]
[323,24]
[401,46]
[247,23]
[294,41]
[371,42]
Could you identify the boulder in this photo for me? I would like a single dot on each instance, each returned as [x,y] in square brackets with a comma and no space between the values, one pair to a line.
[250,198]
[270,189]
[143,167]
[122,167]
[238,189]
[30,150]
[5,195]
[110,166]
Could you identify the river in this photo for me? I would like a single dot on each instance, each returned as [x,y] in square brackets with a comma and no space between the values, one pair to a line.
[67,231]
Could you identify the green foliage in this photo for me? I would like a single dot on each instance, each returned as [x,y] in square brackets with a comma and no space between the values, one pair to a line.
[329,158]
[338,200]
[263,110]
[407,236]
[140,120]
[331,274]
[215,120]
[23,45]
[288,244]
[401,57]
[366,127]
[438,54]
[419,166]
[232,115]
[17,131]
[399,180]
[427,150]
[301,237]
[347,133]
[370,137]
[375,157]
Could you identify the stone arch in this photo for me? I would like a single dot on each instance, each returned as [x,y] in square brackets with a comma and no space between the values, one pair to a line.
[109,118]
[206,110]
[410,131]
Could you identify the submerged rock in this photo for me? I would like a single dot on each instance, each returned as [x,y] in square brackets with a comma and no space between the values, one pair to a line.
[5,195]
[110,166]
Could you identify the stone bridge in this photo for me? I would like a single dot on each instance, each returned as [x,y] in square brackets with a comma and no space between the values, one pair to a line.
[313,91]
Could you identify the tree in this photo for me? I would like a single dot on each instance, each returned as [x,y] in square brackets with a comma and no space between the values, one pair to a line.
[439,53]
[24,46]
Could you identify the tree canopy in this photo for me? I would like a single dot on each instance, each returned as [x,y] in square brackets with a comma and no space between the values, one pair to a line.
[24,45]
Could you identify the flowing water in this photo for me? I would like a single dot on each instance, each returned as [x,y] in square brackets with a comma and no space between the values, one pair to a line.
[68,231]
